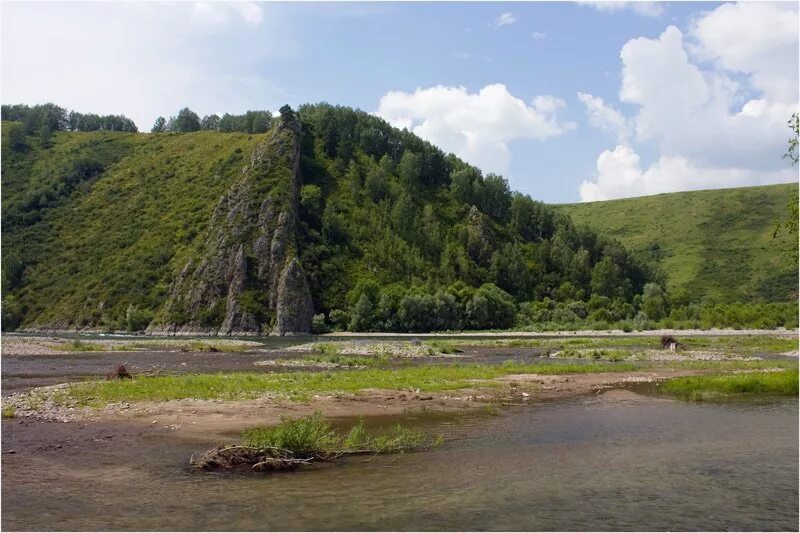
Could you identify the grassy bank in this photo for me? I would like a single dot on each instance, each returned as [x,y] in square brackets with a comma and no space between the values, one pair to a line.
[303,385]
[740,344]
[733,385]
[300,385]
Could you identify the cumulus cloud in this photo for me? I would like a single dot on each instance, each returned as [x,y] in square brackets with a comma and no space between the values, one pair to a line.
[758,39]
[605,117]
[620,175]
[475,126]
[155,58]
[714,103]
[505,19]
[647,9]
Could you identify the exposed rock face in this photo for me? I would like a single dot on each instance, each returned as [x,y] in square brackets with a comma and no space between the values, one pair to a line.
[249,280]
[294,307]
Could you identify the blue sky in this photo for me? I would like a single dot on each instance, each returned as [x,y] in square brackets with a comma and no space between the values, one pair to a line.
[569,101]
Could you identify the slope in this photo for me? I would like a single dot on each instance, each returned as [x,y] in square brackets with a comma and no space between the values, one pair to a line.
[714,244]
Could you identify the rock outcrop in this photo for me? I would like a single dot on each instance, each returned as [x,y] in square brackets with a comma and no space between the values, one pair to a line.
[248,280]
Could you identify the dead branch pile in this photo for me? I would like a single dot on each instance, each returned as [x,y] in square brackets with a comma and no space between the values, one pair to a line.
[668,340]
[259,459]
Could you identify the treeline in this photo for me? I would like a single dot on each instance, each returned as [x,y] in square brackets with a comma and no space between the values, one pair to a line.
[54,118]
[459,307]
[188,121]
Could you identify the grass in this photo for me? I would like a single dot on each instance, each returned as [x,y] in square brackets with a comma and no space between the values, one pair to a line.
[740,344]
[301,385]
[732,385]
[79,346]
[596,354]
[348,360]
[313,435]
[749,344]
[302,441]
[9,412]
[715,244]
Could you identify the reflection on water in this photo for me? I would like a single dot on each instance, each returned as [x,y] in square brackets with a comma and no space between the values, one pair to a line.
[617,461]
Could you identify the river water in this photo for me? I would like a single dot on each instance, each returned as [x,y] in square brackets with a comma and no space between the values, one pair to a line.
[615,461]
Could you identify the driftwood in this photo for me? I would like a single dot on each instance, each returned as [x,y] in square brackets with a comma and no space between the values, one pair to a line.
[669,342]
[264,459]
[120,373]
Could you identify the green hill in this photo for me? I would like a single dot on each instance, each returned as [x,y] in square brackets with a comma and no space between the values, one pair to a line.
[331,218]
[714,244]
[331,212]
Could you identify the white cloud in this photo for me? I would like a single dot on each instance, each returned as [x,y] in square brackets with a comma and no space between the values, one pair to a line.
[475,126]
[142,59]
[759,39]
[647,9]
[505,19]
[605,117]
[715,105]
[704,115]
[226,12]
[538,35]
[619,175]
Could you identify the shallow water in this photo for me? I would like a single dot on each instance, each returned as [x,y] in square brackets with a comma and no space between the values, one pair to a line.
[617,461]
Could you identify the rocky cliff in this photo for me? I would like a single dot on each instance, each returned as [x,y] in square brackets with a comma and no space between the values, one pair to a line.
[247,279]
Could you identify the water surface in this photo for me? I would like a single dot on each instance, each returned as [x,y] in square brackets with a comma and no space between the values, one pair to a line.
[616,461]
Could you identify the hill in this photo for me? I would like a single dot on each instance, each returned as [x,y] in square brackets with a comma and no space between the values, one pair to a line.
[715,245]
[330,215]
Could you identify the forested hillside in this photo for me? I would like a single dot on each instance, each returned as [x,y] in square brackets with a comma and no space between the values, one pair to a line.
[329,213]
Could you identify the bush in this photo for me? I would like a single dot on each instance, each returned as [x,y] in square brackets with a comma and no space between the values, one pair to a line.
[137,319]
[318,324]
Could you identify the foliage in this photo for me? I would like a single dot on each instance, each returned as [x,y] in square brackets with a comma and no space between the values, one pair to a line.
[393,234]
[51,117]
[710,387]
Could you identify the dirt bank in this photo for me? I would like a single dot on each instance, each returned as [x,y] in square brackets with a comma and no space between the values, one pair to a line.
[218,418]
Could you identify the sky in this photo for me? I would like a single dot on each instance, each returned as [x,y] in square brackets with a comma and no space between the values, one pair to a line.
[570,101]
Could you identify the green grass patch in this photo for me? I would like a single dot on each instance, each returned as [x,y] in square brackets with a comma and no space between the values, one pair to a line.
[79,346]
[444,347]
[348,360]
[314,435]
[9,412]
[732,385]
[749,344]
[301,385]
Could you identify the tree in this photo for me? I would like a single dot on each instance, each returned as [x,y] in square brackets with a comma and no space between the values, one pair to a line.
[287,114]
[654,301]
[376,184]
[495,197]
[311,200]
[792,152]
[45,135]
[186,121]
[210,122]
[462,182]
[16,138]
[791,223]
[160,125]
[354,179]
[605,278]
[409,168]
[363,317]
